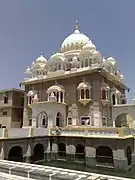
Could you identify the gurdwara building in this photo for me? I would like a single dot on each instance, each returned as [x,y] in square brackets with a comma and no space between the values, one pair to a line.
[81,97]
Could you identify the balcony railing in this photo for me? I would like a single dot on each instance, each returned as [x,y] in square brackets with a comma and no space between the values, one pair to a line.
[62,154]
[104,160]
[80,157]
[92,132]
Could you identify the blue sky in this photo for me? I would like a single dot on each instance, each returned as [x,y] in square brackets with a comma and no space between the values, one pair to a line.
[29,27]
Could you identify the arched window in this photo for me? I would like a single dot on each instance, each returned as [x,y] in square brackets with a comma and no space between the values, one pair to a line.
[86,62]
[57,96]
[59,119]
[42,120]
[61,97]
[104,121]
[59,66]
[30,99]
[129,155]
[103,94]
[87,94]
[82,93]
[5,99]
[113,99]
[90,62]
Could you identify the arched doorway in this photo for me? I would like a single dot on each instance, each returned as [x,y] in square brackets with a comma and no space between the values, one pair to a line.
[62,151]
[129,155]
[80,153]
[121,120]
[113,99]
[38,152]
[104,155]
[15,154]
[42,120]
[59,119]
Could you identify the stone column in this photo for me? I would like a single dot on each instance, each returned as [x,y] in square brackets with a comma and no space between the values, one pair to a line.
[25,112]
[47,156]
[28,156]
[120,161]
[59,100]
[54,152]
[63,97]
[70,152]
[34,120]
[2,154]
[90,156]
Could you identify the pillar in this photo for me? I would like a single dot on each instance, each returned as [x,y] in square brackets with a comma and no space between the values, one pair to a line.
[54,152]
[120,161]
[90,156]
[59,97]
[28,156]
[63,97]
[34,120]
[70,152]
[2,154]
[47,154]
[25,112]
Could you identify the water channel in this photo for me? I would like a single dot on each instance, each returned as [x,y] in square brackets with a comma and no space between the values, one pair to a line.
[82,167]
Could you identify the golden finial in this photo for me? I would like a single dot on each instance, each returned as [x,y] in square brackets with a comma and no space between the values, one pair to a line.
[77,25]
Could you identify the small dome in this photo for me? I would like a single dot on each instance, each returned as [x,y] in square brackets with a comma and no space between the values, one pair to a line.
[30,93]
[41,59]
[105,86]
[74,58]
[76,38]
[83,85]
[95,53]
[28,71]
[104,60]
[89,46]
[122,77]
[111,60]
[57,55]
[55,88]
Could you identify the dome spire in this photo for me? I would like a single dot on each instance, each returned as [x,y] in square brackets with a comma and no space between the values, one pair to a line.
[76,25]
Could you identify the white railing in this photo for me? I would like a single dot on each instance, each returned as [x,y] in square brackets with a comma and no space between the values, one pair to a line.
[92,132]
[29,168]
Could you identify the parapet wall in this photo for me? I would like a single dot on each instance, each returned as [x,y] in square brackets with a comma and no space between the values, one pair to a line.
[39,172]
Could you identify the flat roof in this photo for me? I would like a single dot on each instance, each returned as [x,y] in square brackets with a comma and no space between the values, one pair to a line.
[66,75]
[11,89]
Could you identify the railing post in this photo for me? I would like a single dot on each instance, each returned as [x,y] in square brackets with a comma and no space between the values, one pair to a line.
[4,133]
[30,132]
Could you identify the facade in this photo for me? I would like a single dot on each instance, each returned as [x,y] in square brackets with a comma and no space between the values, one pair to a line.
[78,93]
[11,108]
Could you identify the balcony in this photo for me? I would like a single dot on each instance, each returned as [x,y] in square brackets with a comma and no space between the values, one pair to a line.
[93,132]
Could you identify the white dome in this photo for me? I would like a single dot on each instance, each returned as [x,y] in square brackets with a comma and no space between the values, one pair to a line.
[74,39]
[41,59]
[83,85]
[30,93]
[57,55]
[28,71]
[74,58]
[111,60]
[89,46]
[55,88]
